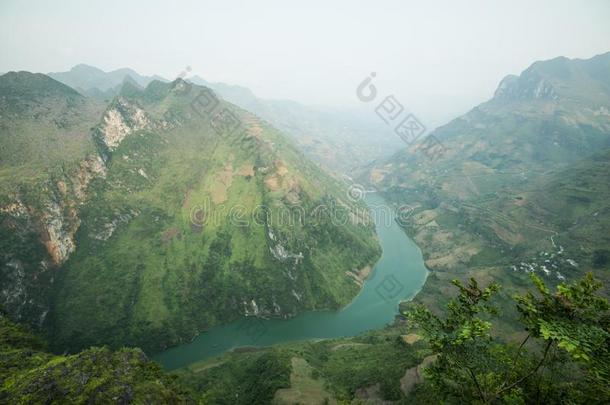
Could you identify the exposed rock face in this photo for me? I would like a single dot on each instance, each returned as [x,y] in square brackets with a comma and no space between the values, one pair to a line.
[15,209]
[120,120]
[57,231]
[525,87]
[52,224]
[59,221]
[19,264]
[113,223]
[50,219]
[91,167]
[415,375]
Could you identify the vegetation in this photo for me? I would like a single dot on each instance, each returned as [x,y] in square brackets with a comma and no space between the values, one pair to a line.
[369,365]
[522,186]
[143,222]
[252,380]
[30,375]
[158,194]
[563,357]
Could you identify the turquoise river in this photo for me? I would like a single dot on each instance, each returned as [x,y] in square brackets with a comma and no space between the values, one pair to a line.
[398,275]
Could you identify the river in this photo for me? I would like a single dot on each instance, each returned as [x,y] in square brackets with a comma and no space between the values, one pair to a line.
[398,275]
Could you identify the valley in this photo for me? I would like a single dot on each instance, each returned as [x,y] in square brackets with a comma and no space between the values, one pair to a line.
[137,220]
[215,233]
[397,276]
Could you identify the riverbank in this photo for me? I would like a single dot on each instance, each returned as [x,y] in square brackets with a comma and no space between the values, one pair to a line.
[398,275]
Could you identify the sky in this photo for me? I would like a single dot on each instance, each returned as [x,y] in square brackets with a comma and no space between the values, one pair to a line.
[439,58]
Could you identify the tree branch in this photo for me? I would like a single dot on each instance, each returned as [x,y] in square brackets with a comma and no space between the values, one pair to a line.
[519,381]
[476,383]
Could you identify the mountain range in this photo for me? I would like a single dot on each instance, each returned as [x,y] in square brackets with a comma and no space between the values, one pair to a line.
[339,139]
[140,212]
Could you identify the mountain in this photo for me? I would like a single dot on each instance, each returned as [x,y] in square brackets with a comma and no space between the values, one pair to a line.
[43,122]
[44,142]
[168,219]
[341,140]
[520,185]
[87,77]
[96,83]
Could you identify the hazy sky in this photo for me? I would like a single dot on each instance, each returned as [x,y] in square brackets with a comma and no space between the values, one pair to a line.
[438,57]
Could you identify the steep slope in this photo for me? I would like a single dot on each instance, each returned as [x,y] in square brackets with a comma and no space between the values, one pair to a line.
[184,217]
[519,187]
[47,158]
[29,374]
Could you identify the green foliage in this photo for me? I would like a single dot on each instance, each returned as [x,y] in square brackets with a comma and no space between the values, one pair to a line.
[143,272]
[461,326]
[375,358]
[252,380]
[574,318]
[28,375]
[568,362]
[344,366]
[601,258]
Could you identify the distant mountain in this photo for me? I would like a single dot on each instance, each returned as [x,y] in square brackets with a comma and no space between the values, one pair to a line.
[95,82]
[87,77]
[560,78]
[341,140]
[158,218]
[520,183]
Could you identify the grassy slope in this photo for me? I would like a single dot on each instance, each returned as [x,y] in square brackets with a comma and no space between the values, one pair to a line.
[160,279]
[44,125]
[339,140]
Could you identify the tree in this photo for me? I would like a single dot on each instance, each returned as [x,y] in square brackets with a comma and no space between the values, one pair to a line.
[567,334]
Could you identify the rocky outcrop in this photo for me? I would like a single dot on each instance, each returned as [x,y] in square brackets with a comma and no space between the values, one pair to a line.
[59,220]
[50,220]
[108,228]
[58,228]
[415,375]
[119,121]
[93,166]
[525,87]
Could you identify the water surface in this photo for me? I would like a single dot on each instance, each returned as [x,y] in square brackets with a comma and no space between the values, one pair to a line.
[399,274]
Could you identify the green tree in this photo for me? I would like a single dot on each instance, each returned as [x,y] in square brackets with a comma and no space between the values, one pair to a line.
[564,357]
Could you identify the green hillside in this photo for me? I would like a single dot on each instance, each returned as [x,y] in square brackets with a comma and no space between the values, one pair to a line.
[43,124]
[166,222]
[522,185]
